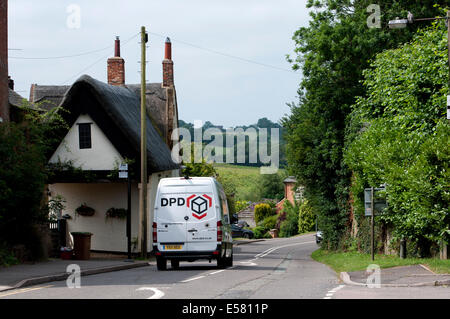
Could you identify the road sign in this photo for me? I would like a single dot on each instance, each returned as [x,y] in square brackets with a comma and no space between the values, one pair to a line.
[379,202]
[123,167]
[123,174]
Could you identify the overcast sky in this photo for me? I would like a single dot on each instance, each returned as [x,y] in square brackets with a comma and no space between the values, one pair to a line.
[218,88]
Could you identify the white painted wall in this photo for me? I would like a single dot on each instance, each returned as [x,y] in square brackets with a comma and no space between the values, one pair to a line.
[108,234]
[102,156]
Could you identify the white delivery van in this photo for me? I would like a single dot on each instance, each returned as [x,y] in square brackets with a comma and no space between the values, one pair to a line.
[191,222]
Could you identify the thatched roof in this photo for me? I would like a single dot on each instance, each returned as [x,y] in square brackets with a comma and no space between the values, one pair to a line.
[116,110]
[50,96]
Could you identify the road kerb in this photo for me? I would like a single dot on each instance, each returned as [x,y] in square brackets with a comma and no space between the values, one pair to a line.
[345,277]
[64,276]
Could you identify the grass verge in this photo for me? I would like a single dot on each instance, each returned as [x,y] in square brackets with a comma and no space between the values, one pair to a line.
[354,261]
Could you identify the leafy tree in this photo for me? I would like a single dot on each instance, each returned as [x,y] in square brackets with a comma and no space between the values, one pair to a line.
[306,218]
[271,186]
[399,136]
[332,53]
[24,149]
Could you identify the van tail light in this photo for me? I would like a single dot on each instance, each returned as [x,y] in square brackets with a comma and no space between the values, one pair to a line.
[155,234]
[219,231]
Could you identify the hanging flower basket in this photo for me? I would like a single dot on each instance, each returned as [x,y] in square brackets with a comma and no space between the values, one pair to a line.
[120,213]
[85,210]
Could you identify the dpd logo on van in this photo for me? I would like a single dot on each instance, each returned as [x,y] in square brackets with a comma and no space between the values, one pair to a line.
[199,205]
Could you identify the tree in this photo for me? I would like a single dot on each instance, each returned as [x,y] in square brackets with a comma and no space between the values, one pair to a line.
[399,136]
[332,53]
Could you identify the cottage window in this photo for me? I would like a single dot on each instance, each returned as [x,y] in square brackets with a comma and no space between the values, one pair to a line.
[84,130]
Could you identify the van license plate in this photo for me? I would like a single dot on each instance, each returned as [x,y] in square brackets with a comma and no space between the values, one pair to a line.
[173,247]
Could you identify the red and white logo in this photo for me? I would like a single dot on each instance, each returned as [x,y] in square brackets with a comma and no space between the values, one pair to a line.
[199,205]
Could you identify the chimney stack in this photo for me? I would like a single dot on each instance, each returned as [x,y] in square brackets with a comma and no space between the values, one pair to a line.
[10,83]
[168,65]
[116,66]
[4,102]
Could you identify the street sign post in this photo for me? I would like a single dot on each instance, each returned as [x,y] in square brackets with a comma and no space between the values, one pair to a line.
[123,173]
[374,204]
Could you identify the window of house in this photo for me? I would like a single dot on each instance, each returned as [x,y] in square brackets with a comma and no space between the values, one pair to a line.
[84,131]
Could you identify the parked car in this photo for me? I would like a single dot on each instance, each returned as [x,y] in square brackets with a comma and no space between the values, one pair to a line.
[318,236]
[237,231]
[242,223]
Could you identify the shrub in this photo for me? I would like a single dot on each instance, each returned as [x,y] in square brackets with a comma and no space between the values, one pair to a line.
[269,222]
[306,218]
[289,227]
[259,232]
[262,211]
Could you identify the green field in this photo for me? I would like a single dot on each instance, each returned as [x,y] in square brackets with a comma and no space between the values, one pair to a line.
[244,179]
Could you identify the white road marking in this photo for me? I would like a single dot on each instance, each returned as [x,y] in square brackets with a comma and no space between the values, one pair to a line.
[331,292]
[195,278]
[216,272]
[157,294]
[270,250]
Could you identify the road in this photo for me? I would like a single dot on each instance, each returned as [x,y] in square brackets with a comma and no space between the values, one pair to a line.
[272,269]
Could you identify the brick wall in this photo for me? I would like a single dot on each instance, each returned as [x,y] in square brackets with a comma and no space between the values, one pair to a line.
[4,104]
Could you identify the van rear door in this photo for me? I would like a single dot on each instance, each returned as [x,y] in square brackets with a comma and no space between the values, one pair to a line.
[171,222]
[202,222]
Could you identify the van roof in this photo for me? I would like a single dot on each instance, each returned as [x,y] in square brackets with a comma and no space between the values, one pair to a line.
[183,181]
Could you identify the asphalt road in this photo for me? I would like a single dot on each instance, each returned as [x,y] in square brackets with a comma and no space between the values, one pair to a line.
[272,269]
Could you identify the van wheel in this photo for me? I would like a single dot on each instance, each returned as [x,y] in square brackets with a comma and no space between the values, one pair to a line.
[230,261]
[221,263]
[161,263]
[175,263]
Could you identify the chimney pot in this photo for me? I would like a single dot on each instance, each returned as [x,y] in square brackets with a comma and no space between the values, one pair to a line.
[117,47]
[168,65]
[116,66]
[10,83]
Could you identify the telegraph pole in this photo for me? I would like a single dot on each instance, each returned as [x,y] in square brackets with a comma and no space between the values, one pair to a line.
[144,177]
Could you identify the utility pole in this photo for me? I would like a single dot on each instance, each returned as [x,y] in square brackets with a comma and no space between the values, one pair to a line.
[144,177]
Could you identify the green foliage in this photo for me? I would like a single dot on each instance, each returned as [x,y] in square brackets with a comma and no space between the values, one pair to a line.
[399,136]
[260,232]
[306,218]
[289,226]
[332,53]
[269,222]
[120,213]
[23,149]
[271,186]
[262,211]
[241,205]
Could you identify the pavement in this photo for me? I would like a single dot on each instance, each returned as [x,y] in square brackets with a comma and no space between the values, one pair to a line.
[54,269]
[403,276]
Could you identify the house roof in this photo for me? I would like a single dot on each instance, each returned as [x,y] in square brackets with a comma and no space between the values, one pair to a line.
[50,96]
[116,110]
[290,179]
[14,98]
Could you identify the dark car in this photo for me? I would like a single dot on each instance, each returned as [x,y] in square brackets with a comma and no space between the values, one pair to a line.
[237,231]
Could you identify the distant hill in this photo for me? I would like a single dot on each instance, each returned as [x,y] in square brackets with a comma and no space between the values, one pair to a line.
[261,123]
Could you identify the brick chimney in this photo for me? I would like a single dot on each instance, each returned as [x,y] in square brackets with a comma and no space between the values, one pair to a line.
[168,65]
[4,103]
[116,67]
